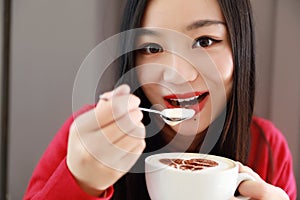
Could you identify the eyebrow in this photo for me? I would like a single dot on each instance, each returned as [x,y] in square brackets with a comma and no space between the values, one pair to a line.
[203,23]
[147,31]
[192,26]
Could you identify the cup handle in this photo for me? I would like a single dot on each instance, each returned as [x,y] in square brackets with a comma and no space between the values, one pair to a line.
[243,177]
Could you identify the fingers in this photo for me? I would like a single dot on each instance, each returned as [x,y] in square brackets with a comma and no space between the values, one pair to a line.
[108,145]
[87,120]
[112,110]
[126,125]
[107,153]
[121,90]
[262,191]
[106,112]
[259,189]
[113,128]
[112,172]
[249,188]
[130,159]
[127,143]
[253,189]
[248,170]
[105,142]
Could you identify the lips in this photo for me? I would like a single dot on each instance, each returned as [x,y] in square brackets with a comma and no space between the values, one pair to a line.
[193,100]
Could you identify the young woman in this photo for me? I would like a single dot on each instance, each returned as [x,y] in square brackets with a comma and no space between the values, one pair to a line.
[186,52]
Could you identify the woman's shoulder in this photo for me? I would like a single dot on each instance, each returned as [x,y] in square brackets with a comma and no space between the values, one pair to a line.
[270,153]
[261,127]
[266,138]
[262,123]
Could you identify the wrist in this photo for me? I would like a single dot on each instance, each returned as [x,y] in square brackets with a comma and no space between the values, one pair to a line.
[92,191]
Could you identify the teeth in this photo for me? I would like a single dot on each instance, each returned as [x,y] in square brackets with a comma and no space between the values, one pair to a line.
[187,99]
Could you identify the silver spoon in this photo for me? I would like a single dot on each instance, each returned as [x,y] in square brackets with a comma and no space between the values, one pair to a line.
[173,116]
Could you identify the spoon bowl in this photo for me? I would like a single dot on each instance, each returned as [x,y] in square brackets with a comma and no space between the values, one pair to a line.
[173,116]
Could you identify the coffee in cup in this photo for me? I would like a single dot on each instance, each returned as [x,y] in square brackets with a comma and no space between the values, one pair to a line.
[172,176]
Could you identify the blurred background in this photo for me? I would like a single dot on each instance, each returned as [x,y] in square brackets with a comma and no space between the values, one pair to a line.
[50,39]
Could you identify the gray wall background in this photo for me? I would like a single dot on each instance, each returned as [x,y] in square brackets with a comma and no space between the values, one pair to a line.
[1,34]
[50,40]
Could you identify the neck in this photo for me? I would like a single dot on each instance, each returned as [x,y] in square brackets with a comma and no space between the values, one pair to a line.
[181,143]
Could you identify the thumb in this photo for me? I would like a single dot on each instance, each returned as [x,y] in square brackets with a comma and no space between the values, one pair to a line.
[121,90]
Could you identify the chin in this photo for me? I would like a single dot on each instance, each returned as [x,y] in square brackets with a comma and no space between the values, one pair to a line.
[189,128]
[196,125]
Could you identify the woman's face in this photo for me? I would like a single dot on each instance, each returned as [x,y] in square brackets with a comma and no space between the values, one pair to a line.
[185,59]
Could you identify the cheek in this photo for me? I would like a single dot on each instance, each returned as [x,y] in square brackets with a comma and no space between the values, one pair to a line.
[148,72]
[149,80]
[225,67]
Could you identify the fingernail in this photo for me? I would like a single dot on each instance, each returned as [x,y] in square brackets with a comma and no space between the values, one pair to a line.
[102,97]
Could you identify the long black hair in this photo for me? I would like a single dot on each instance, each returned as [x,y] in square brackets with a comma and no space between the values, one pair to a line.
[234,140]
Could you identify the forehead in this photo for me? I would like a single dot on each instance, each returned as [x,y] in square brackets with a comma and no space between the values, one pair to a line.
[175,14]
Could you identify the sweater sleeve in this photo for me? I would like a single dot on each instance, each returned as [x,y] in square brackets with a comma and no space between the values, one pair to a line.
[283,166]
[51,179]
[270,156]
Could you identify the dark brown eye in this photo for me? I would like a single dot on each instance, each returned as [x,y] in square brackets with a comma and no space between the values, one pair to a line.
[204,42]
[151,48]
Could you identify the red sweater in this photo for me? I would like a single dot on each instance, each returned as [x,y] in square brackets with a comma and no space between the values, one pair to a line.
[52,180]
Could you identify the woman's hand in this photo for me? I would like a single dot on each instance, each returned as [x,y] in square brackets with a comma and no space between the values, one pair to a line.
[259,189]
[105,142]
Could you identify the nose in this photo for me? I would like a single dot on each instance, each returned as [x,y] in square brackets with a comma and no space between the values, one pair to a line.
[179,70]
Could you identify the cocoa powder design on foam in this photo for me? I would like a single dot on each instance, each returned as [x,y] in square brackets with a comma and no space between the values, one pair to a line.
[194,164]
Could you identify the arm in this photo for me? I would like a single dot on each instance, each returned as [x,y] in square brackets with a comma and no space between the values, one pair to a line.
[91,152]
[51,178]
[283,175]
[259,189]
[105,142]
[271,160]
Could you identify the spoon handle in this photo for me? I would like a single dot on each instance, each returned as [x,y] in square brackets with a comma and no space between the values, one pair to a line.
[150,110]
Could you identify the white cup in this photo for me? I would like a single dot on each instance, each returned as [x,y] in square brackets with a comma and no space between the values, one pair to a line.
[165,182]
